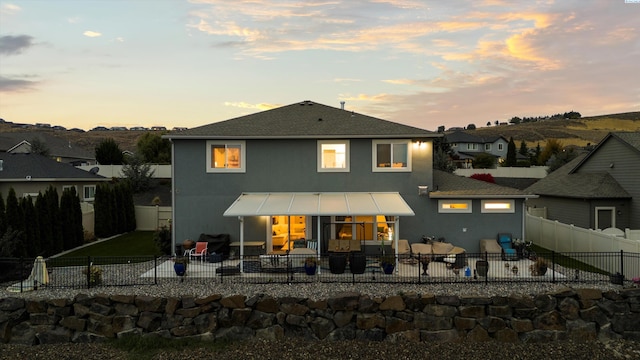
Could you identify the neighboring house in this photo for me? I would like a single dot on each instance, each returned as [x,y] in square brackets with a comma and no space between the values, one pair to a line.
[597,190]
[313,171]
[59,149]
[467,147]
[29,174]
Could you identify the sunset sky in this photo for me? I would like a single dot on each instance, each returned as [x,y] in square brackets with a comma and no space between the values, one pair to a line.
[87,63]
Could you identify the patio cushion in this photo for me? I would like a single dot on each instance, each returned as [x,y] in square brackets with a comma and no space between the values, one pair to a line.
[442,248]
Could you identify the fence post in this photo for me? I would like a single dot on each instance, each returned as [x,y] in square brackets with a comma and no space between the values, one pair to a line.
[88,272]
[486,258]
[622,264]
[553,266]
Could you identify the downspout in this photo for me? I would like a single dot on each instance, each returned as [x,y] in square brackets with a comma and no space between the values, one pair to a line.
[241,218]
[396,222]
[173,198]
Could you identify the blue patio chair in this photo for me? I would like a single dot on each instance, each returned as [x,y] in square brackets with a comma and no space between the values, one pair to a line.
[505,242]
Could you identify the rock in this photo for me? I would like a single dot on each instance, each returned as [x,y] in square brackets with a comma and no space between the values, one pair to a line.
[233,301]
[473,311]
[342,318]
[150,304]
[394,303]
[569,308]
[440,336]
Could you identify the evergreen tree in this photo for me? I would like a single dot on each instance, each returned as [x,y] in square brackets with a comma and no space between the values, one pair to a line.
[15,219]
[31,245]
[442,155]
[511,154]
[44,224]
[154,149]
[108,152]
[523,149]
[102,214]
[130,208]
[3,216]
[76,214]
[53,206]
[68,222]
[120,215]
[536,155]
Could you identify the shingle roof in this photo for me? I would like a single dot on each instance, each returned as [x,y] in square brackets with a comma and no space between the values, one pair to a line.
[306,119]
[463,137]
[563,183]
[631,139]
[17,167]
[57,146]
[446,185]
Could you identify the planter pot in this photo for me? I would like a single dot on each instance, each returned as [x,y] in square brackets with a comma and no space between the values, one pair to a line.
[310,270]
[358,263]
[188,244]
[180,268]
[616,278]
[482,267]
[388,268]
[337,263]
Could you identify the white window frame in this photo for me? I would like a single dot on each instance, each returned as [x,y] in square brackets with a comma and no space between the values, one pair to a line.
[486,206]
[243,151]
[487,147]
[347,155]
[84,192]
[500,146]
[443,209]
[391,142]
[472,146]
[597,215]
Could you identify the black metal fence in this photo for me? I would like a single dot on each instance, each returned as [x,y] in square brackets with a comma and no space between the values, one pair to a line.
[86,272]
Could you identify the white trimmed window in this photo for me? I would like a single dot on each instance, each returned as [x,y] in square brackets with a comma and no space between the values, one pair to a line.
[472,146]
[89,192]
[225,156]
[333,156]
[498,206]
[500,147]
[391,155]
[454,206]
[487,147]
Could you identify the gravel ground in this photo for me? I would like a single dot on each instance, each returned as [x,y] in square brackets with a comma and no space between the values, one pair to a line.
[301,349]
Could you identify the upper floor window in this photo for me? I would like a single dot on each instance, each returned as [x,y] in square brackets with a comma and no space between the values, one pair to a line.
[500,147]
[69,187]
[89,192]
[391,155]
[487,147]
[333,156]
[225,156]
[472,146]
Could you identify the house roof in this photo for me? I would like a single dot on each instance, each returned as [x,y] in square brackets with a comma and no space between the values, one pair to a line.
[33,167]
[563,182]
[305,119]
[446,185]
[463,137]
[631,139]
[57,147]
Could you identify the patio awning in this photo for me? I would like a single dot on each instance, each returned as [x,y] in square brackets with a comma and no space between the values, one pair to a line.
[320,204]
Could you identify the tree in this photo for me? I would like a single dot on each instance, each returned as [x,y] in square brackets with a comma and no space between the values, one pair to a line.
[44,220]
[442,155]
[31,245]
[484,161]
[515,120]
[511,154]
[471,127]
[154,149]
[108,153]
[138,174]
[102,213]
[536,155]
[39,147]
[3,216]
[552,147]
[523,149]
[560,159]
[488,123]
[441,129]
[15,219]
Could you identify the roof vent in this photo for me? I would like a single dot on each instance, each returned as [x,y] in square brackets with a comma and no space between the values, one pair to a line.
[341,105]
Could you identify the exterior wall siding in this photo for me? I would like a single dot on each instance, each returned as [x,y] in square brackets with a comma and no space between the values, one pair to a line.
[626,171]
[567,211]
[282,166]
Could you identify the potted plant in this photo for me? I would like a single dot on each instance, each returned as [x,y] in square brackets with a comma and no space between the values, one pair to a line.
[388,263]
[482,267]
[358,263]
[94,275]
[310,265]
[180,265]
[539,267]
[337,263]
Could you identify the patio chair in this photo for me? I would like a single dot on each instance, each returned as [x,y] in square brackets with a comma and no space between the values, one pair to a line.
[404,250]
[200,250]
[505,242]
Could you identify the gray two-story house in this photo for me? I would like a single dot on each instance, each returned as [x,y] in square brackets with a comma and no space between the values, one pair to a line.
[311,171]
[467,146]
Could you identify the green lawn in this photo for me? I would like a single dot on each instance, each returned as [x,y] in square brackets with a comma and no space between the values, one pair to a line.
[137,243]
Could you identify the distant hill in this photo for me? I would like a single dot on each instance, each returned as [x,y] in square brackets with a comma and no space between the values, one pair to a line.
[583,131]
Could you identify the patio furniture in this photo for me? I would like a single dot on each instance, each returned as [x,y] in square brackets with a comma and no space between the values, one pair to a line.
[404,249]
[490,246]
[439,251]
[199,251]
[344,245]
[505,242]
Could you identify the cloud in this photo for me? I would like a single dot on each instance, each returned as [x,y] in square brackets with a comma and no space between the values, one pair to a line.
[90,33]
[9,9]
[15,85]
[15,45]
[245,105]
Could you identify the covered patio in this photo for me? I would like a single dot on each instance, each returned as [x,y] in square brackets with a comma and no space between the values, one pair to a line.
[318,205]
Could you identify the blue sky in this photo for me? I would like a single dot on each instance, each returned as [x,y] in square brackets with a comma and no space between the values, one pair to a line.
[85,63]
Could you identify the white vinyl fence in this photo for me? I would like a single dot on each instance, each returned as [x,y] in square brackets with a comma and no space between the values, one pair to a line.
[88,217]
[150,218]
[565,238]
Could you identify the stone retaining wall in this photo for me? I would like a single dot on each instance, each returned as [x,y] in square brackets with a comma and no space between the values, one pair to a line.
[580,314]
